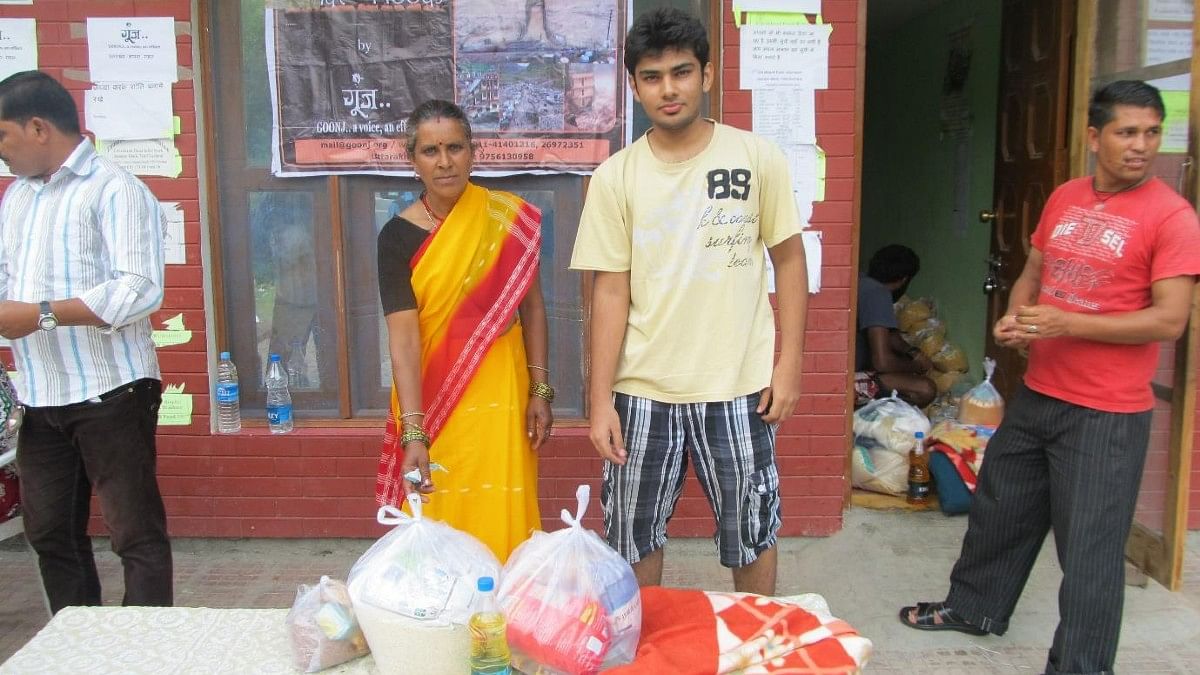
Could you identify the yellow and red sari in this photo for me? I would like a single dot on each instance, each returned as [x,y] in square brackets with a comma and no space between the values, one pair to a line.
[469,278]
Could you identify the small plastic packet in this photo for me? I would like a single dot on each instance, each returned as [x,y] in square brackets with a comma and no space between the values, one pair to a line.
[950,358]
[323,629]
[572,603]
[414,476]
[983,404]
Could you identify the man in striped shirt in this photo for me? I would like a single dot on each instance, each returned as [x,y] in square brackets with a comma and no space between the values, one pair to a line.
[81,269]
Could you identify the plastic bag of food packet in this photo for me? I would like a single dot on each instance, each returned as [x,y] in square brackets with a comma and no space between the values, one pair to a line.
[571,601]
[414,591]
[323,629]
[983,404]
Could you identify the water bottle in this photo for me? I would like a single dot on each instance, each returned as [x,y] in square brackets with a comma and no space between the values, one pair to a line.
[295,366]
[489,637]
[279,400]
[229,410]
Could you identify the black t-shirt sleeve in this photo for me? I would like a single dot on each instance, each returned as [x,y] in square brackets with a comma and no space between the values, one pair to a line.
[398,242]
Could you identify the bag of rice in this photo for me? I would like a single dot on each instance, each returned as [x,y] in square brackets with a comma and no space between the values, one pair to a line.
[982,405]
[914,313]
[323,627]
[414,592]
[884,432]
[572,603]
[950,358]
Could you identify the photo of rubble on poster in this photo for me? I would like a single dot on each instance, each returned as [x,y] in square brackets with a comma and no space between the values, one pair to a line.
[540,80]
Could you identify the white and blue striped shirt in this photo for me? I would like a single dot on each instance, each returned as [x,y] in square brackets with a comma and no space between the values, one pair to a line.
[94,232]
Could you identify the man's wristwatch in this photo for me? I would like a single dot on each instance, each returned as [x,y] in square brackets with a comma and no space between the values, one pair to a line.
[46,318]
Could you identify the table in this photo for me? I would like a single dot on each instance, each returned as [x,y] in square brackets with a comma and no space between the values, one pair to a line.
[165,641]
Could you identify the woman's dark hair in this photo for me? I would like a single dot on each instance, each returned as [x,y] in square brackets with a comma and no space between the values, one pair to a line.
[433,109]
[665,28]
[1123,92]
[33,93]
[893,263]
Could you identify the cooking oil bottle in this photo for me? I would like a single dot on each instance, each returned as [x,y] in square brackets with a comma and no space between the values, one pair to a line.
[489,638]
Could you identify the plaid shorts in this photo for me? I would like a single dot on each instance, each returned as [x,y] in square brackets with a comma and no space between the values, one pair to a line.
[734,453]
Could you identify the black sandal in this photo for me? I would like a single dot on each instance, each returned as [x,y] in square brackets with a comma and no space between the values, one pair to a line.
[937,616]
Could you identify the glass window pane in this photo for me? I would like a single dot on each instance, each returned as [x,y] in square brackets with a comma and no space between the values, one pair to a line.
[371,203]
[256,99]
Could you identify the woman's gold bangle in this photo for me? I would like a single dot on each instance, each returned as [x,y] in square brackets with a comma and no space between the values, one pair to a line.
[415,413]
[542,390]
[411,435]
[544,370]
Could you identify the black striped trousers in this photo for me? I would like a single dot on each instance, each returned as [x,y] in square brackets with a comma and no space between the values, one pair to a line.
[1078,470]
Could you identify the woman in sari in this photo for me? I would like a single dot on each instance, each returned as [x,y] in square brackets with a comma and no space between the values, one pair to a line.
[466,321]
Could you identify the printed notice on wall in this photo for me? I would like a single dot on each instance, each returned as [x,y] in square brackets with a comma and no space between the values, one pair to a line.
[173,238]
[792,55]
[132,49]
[798,6]
[176,407]
[1171,10]
[786,116]
[147,157]
[120,111]
[18,46]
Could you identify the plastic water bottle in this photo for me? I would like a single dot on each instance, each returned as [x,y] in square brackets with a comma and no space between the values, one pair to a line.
[229,410]
[919,478]
[279,399]
[489,636]
[295,366]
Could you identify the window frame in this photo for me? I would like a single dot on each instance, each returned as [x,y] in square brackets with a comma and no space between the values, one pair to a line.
[328,202]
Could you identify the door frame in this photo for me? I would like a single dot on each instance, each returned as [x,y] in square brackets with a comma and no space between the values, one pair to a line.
[1158,554]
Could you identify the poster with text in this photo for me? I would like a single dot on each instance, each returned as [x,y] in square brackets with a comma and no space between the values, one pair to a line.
[540,80]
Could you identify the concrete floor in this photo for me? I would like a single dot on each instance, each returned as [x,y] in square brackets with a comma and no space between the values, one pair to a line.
[880,561]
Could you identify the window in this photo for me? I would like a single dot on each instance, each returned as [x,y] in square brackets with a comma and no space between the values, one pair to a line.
[296,256]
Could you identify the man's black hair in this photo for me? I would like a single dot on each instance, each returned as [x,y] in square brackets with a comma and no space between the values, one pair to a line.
[1123,92]
[661,29]
[33,93]
[893,263]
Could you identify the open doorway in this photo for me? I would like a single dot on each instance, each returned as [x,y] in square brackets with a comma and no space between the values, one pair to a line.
[929,150]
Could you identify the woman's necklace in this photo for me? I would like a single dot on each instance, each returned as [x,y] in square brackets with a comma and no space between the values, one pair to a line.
[1102,196]
[434,221]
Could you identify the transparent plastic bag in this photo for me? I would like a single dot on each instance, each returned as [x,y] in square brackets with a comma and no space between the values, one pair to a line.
[983,404]
[414,591]
[323,629]
[950,358]
[884,433]
[572,603]
[914,313]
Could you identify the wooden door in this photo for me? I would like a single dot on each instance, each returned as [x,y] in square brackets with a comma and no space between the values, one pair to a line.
[1032,150]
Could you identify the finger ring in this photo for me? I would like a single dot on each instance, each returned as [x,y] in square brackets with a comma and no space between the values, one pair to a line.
[1031,328]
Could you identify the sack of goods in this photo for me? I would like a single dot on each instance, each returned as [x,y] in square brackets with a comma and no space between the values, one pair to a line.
[323,628]
[414,592]
[884,432]
[572,603]
[983,404]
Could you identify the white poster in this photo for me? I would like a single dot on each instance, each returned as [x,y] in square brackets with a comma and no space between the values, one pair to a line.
[119,111]
[790,55]
[149,157]
[132,49]
[1164,45]
[801,6]
[173,238]
[1171,10]
[786,116]
[18,46]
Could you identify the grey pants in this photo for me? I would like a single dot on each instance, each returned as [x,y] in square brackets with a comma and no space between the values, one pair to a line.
[1078,470]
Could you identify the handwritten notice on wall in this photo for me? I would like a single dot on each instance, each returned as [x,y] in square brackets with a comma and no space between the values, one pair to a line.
[787,116]
[795,55]
[118,111]
[18,46]
[132,49]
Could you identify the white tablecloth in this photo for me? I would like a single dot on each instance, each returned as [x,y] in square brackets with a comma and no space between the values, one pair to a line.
[164,641]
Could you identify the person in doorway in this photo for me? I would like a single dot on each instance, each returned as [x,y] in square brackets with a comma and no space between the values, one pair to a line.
[466,322]
[883,361]
[81,269]
[1109,275]
[683,336]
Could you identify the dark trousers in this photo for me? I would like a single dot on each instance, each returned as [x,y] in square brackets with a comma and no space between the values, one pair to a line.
[65,452]
[1078,470]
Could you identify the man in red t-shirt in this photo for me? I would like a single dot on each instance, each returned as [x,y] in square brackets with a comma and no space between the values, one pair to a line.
[1109,276]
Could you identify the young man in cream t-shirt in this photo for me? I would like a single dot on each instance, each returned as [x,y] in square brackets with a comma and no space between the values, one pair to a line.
[682,331]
